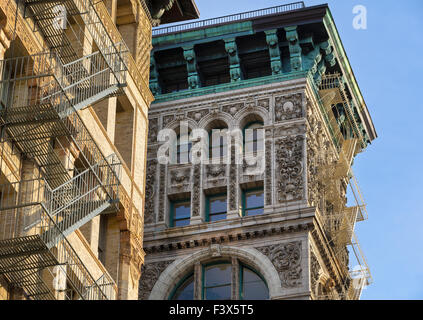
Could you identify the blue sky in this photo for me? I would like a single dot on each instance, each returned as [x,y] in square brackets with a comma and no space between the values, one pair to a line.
[386,59]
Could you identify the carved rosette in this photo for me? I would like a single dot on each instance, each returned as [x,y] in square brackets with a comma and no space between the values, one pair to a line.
[197,115]
[196,190]
[286,257]
[289,163]
[150,191]
[150,273]
[288,107]
[233,109]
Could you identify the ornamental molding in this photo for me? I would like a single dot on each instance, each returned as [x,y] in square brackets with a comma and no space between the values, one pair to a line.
[226,238]
[150,191]
[287,258]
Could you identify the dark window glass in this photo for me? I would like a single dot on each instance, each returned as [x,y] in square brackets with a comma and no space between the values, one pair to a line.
[254,138]
[218,143]
[217,208]
[186,290]
[181,214]
[183,151]
[217,282]
[253,287]
[254,202]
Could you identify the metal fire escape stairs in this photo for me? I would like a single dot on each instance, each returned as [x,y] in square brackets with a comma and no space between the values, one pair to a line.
[40,97]
[340,219]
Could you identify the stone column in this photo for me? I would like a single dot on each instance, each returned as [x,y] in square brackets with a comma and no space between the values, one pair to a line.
[191,61]
[294,48]
[274,51]
[234,62]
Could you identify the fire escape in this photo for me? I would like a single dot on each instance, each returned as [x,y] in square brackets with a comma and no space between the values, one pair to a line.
[40,98]
[337,180]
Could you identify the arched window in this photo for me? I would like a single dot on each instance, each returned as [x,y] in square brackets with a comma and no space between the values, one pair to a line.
[218,280]
[185,290]
[218,142]
[183,149]
[253,137]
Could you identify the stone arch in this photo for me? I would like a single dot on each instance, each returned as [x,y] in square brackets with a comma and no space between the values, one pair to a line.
[170,277]
[174,124]
[246,115]
[211,117]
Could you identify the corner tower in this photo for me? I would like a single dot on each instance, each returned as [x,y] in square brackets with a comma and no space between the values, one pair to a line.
[223,229]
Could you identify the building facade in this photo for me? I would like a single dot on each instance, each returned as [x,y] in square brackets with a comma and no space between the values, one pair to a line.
[73,115]
[279,226]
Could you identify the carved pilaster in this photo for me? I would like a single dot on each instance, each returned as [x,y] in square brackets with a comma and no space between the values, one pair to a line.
[235,67]
[289,168]
[162,192]
[268,169]
[274,51]
[196,193]
[150,191]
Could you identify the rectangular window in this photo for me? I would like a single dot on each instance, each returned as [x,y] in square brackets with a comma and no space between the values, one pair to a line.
[180,213]
[216,208]
[253,202]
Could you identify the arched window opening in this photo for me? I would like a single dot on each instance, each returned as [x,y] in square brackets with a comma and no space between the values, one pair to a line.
[253,138]
[222,280]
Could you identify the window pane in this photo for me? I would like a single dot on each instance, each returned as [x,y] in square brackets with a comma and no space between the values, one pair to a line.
[218,293]
[253,286]
[254,199]
[181,223]
[218,275]
[185,291]
[218,205]
[254,212]
[217,282]
[217,217]
[182,210]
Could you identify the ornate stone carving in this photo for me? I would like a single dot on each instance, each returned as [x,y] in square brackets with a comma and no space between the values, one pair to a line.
[288,107]
[314,272]
[289,160]
[150,272]
[191,61]
[153,128]
[232,109]
[268,168]
[286,257]
[162,186]
[215,170]
[264,103]
[179,177]
[150,191]
[197,115]
[233,183]
[196,190]
[168,119]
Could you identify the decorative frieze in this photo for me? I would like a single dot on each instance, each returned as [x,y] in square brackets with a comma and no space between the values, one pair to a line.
[287,258]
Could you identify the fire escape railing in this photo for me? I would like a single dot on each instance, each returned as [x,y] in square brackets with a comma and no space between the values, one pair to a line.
[39,103]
